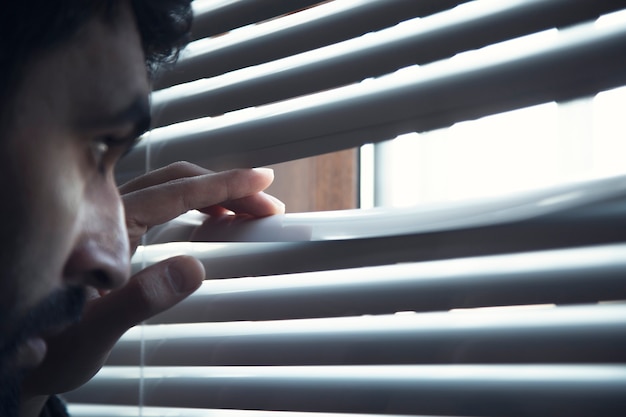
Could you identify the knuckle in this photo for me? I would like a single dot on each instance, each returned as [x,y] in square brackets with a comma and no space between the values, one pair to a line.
[185,169]
[146,295]
[184,191]
[180,166]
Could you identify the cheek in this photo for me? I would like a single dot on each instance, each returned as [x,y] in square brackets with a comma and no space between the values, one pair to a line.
[49,194]
[55,187]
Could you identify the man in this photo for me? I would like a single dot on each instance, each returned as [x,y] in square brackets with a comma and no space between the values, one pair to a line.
[74,93]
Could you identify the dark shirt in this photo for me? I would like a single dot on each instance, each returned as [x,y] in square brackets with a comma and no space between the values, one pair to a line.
[54,408]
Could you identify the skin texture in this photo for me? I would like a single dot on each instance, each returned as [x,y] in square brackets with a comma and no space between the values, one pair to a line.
[70,225]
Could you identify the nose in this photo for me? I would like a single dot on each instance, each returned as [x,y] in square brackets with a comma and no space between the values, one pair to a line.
[92,263]
[101,256]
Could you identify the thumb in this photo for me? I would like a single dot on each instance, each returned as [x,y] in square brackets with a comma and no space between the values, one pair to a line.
[150,292]
[75,355]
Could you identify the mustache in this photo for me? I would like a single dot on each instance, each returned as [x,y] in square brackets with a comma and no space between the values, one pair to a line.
[62,307]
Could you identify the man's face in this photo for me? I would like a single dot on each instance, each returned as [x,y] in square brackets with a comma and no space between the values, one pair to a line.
[77,110]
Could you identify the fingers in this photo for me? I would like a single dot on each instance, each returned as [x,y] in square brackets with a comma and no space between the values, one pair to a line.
[171,172]
[88,343]
[241,188]
[259,204]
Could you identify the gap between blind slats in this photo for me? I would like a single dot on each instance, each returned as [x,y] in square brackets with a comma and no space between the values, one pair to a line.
[385,221]
[214,17]
[523,390]
[518,279]
[417,41]
[576,334]
[316,27]
[421,99]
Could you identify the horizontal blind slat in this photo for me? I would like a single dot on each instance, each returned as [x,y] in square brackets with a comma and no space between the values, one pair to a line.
[90,410]
[581,334]
[213,17]
[418,41]
[297,33]
[428,97]
[455,390]
[526,278]
[230,260]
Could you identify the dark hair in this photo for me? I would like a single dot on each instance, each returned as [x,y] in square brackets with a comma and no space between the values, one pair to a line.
[27,27]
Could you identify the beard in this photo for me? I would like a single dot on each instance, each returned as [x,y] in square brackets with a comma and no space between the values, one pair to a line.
[9,395]
[60,308]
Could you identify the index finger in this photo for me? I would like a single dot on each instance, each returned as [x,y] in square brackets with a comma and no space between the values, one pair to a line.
[160,203]
[181,169]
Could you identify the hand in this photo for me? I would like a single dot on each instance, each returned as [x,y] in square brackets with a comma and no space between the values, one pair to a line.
[166,193]
[76,354]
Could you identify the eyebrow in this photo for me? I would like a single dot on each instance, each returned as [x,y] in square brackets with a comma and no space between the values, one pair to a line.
[140,115]
[137,113]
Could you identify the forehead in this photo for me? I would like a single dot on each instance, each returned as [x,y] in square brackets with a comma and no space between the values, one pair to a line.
[100,68]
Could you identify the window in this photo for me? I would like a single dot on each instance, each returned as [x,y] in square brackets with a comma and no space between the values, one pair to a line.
[497,306]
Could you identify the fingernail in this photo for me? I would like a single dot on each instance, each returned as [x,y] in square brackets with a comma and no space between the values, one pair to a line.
[265,171]
[177,280]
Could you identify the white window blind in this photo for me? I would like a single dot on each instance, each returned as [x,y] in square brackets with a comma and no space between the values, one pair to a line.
[502,306]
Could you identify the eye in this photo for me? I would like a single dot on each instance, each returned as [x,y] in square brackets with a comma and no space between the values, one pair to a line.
[102,148]
[99,149]
[107,149]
